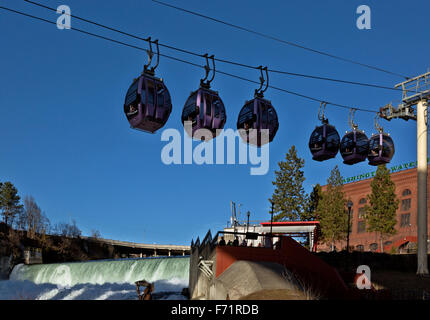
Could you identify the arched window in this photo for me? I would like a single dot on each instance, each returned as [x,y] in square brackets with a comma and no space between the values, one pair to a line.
[406,192]
[373,247]
[360,247]
[362,201]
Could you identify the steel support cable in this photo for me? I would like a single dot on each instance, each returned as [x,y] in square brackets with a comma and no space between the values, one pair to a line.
[295,74]
[280,40]
[188,62]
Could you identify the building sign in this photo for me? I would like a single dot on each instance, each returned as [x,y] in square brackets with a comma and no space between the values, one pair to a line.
[405,166]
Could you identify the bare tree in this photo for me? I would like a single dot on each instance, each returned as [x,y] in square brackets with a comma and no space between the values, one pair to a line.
[68,230]
[33,219]
[95,234]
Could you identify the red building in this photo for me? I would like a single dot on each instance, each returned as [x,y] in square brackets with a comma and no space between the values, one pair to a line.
[406,190]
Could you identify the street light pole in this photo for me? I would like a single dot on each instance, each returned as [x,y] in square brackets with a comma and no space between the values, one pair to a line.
[349,223]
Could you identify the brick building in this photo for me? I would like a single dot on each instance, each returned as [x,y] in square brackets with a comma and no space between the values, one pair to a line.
[406,237]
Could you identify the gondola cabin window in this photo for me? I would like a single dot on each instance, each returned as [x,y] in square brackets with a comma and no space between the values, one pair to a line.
[151,93]
[160,95]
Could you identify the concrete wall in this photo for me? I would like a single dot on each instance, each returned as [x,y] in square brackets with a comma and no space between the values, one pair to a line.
[199,282]
[33,257]
[243,278]
[6,266]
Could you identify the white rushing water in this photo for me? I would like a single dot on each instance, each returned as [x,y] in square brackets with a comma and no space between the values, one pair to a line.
[97,280]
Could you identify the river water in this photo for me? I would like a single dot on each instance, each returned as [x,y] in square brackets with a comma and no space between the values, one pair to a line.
[97,280]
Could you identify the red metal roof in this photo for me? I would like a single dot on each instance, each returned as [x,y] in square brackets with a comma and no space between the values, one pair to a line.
[291,223]
[404,240]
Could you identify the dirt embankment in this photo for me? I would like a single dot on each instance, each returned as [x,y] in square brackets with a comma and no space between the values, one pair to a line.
[54,248]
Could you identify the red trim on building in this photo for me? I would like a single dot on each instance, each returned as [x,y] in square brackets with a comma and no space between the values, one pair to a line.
[291,223]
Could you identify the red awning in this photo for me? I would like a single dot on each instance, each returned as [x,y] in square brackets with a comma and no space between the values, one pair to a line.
[404,240]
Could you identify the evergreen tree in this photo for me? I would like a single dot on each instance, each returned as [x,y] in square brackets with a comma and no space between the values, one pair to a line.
[331,210]
[289,196]
[314,198]
[381,213]
[9,202]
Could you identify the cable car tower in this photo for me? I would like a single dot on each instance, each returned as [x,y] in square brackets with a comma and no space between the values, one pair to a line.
[416,91]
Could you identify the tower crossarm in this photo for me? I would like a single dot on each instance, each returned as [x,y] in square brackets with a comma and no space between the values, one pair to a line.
[403,111]
[415,89]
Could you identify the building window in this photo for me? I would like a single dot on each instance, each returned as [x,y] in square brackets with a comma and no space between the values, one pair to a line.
[405,220]
[361,213]
[360,247]
[388,243]
[406,192]
[373,247]
[361,226]
[406,204]
[362,201]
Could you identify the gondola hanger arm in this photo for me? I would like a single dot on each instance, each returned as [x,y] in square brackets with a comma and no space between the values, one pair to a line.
[204,82]
[151,53]
[259,92]
[351,118]
[321,110]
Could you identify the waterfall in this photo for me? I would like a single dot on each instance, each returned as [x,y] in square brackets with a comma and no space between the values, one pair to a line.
[105,271]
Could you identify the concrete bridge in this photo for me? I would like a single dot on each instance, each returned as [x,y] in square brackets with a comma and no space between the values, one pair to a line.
[132,249]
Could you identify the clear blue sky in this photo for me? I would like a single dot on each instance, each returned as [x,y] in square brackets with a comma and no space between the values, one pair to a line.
[66,141]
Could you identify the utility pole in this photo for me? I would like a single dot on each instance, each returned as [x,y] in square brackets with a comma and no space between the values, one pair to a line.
[234,216]
[271,217]
[422,187]
[247,224]
[231,218]
[416,91]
